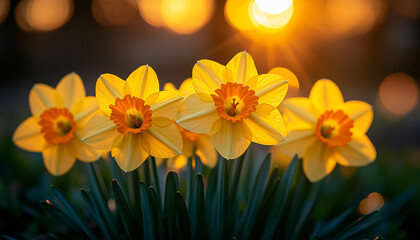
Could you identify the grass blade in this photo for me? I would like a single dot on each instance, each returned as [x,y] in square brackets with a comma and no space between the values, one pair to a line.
[124,210]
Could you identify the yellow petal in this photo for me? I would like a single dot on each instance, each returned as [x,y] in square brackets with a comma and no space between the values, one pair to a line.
[293,82]
[162,142]
[243,67]
[197,115]
[71,89]
[100,132]
[83,152]
[318,161]
[267,125]
[297,142]
[187,88]
[41,97]
[161,121]
[358,152]
[300,108]
[170,88]
[271,89]
[28,136]
[128,152]
[231,139]
[88,107]
[325,95]
[208,76]
[58,159]
[206,151]
[164,104]
[108,88]
[361,113]
[143,82]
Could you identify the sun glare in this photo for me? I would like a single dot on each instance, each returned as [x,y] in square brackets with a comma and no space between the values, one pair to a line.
[272,6]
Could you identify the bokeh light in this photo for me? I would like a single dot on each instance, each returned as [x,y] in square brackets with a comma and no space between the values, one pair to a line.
[271,14]
[43,15]
[186,16]
[113,13]
[48,15]
[4,9]
[151,12]
[179,16]
[355,17]
[373,202]
[263,21]
[399,93]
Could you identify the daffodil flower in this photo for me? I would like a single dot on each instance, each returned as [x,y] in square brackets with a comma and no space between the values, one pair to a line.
[234,105]
[136,120]
[55,129]
[194,143]
[325,130]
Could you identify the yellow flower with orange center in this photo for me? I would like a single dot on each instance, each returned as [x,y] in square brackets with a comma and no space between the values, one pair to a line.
[234,105]
[193,143]
[55,129]
[136,119]
[325,130]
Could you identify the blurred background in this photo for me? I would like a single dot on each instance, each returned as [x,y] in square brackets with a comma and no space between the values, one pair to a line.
[370,48]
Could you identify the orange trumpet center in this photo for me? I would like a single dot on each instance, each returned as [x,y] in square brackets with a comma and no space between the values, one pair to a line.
[187,135]
[333,128]
[57,125]
[131,115]
[234,102]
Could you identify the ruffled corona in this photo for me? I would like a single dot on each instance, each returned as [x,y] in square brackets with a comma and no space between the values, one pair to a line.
[131,115]
[234,102]
[333,128]
[57,125]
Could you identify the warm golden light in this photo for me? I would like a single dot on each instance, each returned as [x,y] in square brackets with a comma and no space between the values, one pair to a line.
[48,15]
[355,17]
[273,6]
[399,93]
[4,9]
[179,16]
[20,15]
[271,14]
[186,16]
[113,13]
[236,13]
[373,202]
[151,12]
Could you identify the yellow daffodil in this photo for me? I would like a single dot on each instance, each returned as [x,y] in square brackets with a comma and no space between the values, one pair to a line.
[136,120]
[234,105]
[194,143]
[325,130]
[55,129]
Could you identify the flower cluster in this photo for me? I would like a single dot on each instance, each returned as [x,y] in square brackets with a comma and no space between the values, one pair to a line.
[222,108]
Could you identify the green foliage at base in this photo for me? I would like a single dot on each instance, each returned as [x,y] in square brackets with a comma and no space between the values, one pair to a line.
[229,201]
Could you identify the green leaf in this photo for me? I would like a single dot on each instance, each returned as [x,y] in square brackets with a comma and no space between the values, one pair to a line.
[183,220]
[148,227]
[248,217]
[62,217]
[68,209]
[124,210]
[94,212]
[189,181]
[197,208]
[98,190]
[218,221]
[156,179]
[156,214]
[169,212]
[275,211]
